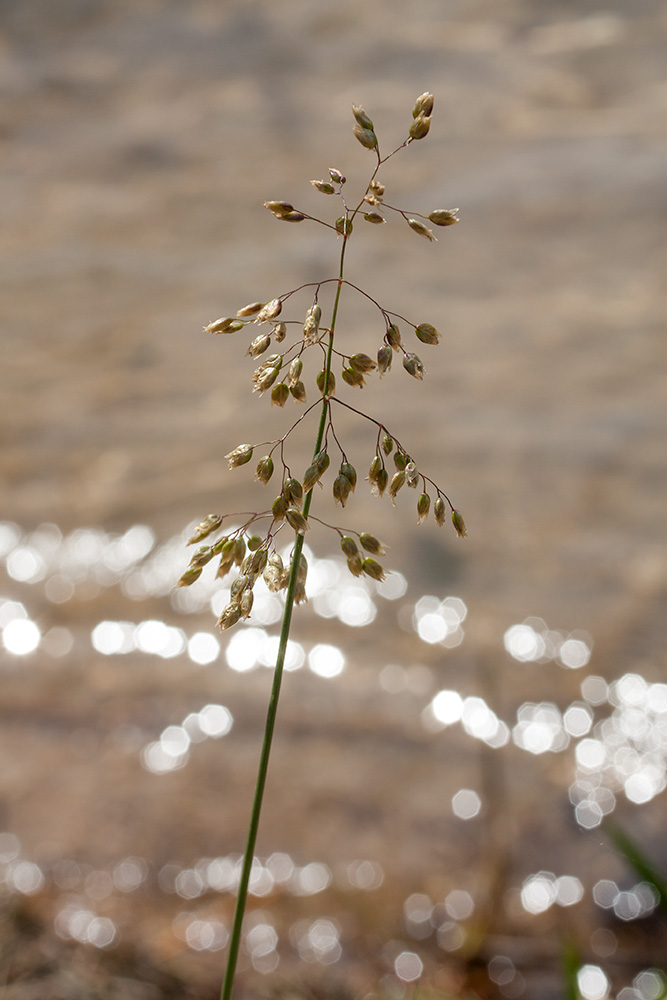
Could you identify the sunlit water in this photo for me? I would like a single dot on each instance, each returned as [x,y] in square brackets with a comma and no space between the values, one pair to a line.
[615,736]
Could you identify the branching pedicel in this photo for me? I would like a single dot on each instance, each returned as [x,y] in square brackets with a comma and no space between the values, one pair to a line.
[246,546]
[282,372]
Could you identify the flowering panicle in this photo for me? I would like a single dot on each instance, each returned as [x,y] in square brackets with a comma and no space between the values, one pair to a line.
[251,550]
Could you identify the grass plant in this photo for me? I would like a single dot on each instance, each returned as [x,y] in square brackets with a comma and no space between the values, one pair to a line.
[250,550]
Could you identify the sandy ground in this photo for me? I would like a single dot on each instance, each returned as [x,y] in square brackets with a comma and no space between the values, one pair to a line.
[138,144]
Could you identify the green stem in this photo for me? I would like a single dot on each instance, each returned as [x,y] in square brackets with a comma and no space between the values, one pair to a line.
[253,827]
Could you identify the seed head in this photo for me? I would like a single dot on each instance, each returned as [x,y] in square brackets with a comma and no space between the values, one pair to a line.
[385,357]
[227,548]
[229,616]
[254,542]
[422,230]
[443,216]
[380,484]
[279,394]
[251,309]
[376,188]
[269,311]
[387,443]
[191,574]
[296,520]
[239,585]
[361,363]
[361,117]
[299,392]
[343,226]
[355,565]
[459,524]
[205,527]
[259,345]
[239,456]
[375,218]
[224,325]
[315,471]
[393,336]
[423,507]
[322,460]
[223,568]
[279,208]
[376,465]
[310,477]
[366,137]
[294,372]
[413,366]
[264,376]
[245,606]
[372,544]
[324,187]
[372,568]
[239,550]
[293,492]
[350,474]
[279,508]
[273,574]
[279,332]
[330,387]
[400,460]
[292,217]
[420,127]
[311,325]
[202,556]
[411,475]
[353,378]
[423,105]
[258,561]
[336,176]
[264,469]
[427,333]
[300,589]
[397,480]
[341,489]
[440,511]
[349,546]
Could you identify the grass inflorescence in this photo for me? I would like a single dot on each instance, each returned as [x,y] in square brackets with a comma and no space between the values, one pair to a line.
[298,353]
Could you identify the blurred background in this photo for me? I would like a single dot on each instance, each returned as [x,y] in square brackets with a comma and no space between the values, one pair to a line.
[458,747]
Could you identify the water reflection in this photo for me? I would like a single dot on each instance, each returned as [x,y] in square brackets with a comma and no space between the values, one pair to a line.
[613,739]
